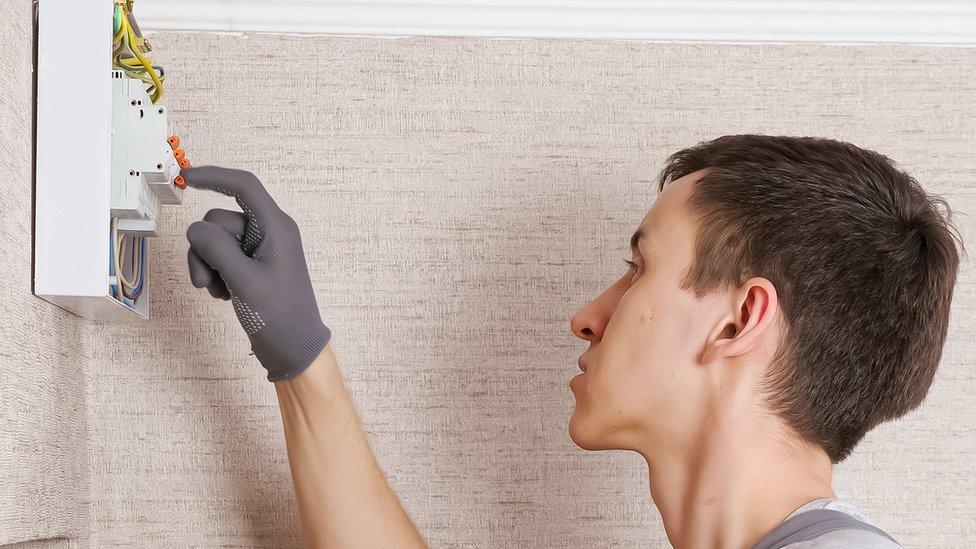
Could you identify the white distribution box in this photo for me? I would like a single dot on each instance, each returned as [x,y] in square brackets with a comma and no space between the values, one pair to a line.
[100,153]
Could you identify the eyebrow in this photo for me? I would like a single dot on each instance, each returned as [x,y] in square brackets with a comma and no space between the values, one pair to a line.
[635,239]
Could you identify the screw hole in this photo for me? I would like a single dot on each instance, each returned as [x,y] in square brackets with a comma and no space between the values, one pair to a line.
[133,102]
[159,166]
[132,172]
[160,111]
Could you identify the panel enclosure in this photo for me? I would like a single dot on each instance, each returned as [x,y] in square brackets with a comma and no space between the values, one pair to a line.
[95,160]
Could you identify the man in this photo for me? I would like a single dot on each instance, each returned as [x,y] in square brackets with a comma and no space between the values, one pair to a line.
[784,296]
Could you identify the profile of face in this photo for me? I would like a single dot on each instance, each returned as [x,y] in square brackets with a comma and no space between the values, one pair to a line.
[645,381]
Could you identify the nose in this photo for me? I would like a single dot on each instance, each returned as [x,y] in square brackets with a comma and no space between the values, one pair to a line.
[590,321]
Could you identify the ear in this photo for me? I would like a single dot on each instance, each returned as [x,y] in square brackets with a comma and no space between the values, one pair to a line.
[753,311]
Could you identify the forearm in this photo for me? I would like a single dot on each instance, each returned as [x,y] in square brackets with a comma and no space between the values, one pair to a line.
[255,259]
[343,497]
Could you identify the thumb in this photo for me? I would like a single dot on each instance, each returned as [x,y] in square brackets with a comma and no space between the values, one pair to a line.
[219,249]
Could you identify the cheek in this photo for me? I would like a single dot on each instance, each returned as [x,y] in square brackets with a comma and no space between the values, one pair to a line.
[624,381]
[655,347]
[668,322]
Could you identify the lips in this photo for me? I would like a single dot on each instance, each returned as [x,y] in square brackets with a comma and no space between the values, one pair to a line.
[582,366]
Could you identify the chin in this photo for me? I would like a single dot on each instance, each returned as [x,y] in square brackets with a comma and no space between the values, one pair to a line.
[584,434]
[589,433]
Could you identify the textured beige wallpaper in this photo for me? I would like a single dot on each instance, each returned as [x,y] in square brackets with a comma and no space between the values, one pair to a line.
[43,445]
[460,199]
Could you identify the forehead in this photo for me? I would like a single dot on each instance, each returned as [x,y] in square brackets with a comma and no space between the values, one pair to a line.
[670,210]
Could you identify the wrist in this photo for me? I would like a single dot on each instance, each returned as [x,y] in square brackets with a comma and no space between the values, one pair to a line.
[319,390]
[290,348]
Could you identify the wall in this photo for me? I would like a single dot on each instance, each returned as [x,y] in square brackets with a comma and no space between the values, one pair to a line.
[44,458]
[460,199]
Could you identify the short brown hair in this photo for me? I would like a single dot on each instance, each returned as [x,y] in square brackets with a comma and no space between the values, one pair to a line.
[863,260]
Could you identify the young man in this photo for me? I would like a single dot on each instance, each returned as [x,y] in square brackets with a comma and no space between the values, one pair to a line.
[784,296]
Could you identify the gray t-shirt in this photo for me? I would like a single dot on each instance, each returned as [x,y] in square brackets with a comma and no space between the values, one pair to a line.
[842,539]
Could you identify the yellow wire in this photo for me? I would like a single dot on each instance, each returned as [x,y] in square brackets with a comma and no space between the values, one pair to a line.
[130,65]
[157,89]
[157,83]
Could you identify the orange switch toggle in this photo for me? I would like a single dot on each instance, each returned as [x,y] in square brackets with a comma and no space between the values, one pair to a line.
[178,153]
[179,181]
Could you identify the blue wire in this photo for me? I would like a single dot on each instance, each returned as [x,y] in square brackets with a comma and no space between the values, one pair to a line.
[111,254]
[111,264]
[142,269]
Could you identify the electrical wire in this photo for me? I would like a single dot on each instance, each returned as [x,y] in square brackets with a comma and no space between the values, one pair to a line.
[158,92]
[134,68]
[127,289]
[119,274]
[134,259]
[126,46]
[117,19]
[142,266]
[113,285]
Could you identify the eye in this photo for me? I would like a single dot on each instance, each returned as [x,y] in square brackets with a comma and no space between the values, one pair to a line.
[632,265]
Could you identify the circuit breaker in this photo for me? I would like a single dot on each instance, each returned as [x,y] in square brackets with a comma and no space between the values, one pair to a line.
[106,162]
[143,165]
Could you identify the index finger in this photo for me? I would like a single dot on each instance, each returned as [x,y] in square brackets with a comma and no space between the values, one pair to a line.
[244,186]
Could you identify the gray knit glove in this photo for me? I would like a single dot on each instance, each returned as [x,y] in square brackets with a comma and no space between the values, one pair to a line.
[256,260]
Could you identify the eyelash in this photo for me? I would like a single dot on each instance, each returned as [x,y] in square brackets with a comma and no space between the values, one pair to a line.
[631,264]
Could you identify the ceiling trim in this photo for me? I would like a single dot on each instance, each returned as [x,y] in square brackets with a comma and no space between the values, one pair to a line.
[945,22]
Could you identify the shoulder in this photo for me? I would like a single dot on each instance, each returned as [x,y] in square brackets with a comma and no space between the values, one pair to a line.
[847,539]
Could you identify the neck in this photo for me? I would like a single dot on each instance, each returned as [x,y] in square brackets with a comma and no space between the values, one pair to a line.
[737,481]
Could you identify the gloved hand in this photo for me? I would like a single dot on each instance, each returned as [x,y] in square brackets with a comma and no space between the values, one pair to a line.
[255,259]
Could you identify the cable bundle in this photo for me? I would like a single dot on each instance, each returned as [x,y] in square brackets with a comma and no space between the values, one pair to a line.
[128,51]
[126,288]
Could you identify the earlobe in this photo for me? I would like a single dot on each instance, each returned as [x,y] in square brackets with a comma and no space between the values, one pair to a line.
[717,340]
[754,309]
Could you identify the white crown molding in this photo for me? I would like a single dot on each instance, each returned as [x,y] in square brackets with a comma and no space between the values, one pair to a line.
[943,22]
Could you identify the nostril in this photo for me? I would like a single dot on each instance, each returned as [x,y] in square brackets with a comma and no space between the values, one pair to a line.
[587,331]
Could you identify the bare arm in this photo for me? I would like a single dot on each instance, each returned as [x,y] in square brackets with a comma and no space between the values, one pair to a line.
[343,497]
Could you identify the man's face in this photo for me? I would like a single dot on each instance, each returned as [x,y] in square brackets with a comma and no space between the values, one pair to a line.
[643,383]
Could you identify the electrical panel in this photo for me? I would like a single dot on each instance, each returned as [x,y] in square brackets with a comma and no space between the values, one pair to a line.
[106,162]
